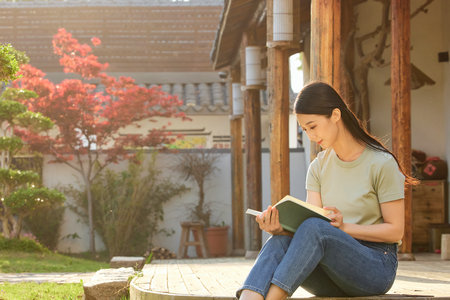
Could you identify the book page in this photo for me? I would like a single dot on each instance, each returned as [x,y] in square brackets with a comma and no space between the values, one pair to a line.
[253,212]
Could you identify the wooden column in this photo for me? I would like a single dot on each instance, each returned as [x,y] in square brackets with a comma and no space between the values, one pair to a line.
[252,112]
[237,172]
[401,104]
[325,46]
[278,90]
[252,118]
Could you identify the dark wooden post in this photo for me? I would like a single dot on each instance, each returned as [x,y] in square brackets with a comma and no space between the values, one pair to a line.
[252,117]
[237,172]
[325,46]
[401,105]
[278,88]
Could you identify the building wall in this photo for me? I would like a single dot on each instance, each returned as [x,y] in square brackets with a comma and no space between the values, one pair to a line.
[430,105]
[218,192]
[427,103]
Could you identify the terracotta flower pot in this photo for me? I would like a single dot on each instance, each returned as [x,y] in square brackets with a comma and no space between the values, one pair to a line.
[217,240]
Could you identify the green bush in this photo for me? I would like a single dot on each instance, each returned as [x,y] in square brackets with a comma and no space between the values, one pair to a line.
[44,223]
[128,206]
[21,245]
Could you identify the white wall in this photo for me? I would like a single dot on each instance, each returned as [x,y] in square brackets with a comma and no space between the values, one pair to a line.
[427,103]
[218,193]
[430,105]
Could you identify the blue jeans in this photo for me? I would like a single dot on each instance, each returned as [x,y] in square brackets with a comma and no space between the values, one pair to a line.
[324,261]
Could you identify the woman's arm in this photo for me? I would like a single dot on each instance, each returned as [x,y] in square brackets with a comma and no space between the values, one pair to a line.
[391,231]
[314,198]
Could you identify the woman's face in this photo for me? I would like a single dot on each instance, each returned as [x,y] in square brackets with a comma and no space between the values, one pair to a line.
[320,129]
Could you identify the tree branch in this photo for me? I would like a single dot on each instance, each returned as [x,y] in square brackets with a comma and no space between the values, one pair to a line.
[421,8]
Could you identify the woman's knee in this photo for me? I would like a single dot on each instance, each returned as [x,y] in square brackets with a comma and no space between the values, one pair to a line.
[278,242]
[313,225]
[311,229]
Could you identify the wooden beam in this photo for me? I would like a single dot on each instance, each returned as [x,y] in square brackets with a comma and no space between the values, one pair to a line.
[252,113]
[278,88]
[237,173]
[401,104]
[347,44]
[252,118]
[325,46]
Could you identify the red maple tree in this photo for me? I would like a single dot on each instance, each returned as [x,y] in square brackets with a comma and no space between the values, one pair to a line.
[89,120]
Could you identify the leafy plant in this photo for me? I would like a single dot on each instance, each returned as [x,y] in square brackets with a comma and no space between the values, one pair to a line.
[199,166]
[10,59]
[89,121]
[128,205]
[21,245]
[45,222]
[20,190]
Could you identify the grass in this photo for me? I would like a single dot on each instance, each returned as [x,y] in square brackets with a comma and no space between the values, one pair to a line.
[32,291]
[24,262]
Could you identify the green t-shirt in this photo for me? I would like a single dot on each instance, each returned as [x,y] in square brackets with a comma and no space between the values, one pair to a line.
[358,187]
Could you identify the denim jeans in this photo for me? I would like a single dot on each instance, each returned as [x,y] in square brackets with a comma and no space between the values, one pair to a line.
[324,261]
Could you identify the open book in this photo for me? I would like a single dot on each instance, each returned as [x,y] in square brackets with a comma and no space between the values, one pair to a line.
[292,212]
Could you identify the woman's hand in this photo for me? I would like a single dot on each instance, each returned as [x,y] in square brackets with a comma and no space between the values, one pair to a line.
[268,221]
[337,220]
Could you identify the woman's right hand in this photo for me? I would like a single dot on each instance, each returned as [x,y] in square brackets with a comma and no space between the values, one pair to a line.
[269,221]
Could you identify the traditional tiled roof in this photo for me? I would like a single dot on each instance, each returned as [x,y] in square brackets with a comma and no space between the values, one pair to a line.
[210,98]
[68,3]
[137,36]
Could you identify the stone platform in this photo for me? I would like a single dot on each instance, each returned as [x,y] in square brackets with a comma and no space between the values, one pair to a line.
[426,278]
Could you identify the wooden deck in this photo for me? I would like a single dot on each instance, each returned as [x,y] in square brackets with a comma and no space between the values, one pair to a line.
[426,278]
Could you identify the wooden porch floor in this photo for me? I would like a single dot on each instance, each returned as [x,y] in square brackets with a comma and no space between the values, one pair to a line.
[426,278]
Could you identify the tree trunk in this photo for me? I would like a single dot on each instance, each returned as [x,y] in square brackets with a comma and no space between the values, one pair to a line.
[90,217]
[5,226]
[17,226]
[201,210]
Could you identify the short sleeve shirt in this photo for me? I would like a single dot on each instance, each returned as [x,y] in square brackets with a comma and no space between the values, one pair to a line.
[357,187]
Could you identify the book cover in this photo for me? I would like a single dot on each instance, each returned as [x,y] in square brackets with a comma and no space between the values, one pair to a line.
[292,212]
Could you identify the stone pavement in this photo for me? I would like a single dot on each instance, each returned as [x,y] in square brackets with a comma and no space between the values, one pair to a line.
[45,277]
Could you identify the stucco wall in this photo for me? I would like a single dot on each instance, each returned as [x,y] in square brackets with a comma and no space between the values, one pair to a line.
[430,105]
[218,192]
[427,103]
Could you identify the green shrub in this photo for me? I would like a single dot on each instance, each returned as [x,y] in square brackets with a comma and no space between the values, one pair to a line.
[128,206]
[21,245]
[44,223]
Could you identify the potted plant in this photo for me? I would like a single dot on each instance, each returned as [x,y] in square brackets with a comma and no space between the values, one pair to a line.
[199,166]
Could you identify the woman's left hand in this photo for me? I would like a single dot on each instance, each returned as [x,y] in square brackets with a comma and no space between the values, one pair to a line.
[337,220]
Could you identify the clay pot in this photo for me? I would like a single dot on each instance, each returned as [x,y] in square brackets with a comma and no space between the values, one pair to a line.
[217,241]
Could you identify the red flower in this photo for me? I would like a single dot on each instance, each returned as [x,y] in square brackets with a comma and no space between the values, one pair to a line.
[96,41]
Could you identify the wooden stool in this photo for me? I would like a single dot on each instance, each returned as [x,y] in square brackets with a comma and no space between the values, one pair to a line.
[199,237]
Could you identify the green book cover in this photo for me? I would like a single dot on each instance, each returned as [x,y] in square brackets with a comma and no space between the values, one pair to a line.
[293,212]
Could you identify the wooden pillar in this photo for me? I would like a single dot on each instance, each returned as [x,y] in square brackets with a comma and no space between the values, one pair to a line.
[348,53]
[401,104]
[252,118]
[325,46]
[252,112]
[278,88]
[237,172]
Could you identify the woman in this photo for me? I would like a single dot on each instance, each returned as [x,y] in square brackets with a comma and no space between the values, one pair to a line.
[362,185]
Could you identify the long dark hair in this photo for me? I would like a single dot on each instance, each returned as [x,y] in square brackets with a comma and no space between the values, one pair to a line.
[319,98]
